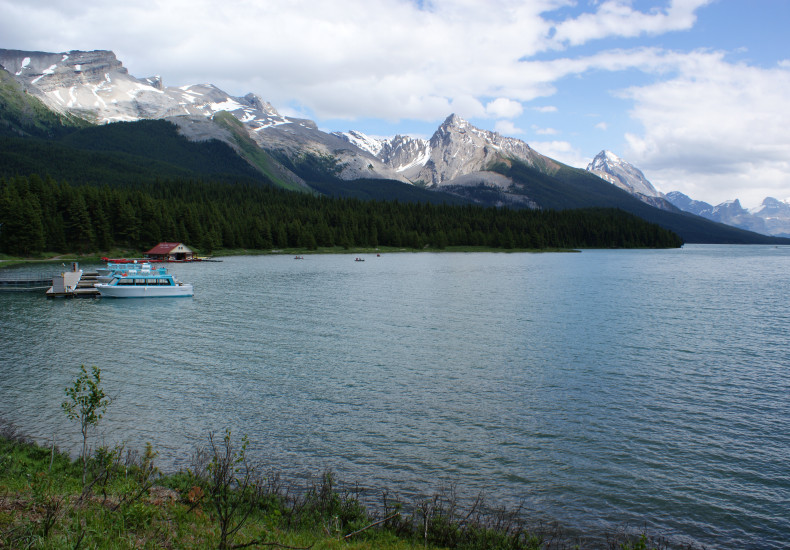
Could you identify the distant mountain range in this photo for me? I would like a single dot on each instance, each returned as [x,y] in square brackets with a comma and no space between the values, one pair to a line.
[68,99]
[772,217]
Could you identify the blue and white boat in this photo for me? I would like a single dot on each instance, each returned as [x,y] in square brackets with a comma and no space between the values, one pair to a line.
[105,274]
[140,282]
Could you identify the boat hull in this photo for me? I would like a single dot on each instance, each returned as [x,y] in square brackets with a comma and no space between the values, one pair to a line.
[145,291]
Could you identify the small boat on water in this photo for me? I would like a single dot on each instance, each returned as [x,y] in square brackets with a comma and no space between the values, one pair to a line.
[359,259]
[139,282]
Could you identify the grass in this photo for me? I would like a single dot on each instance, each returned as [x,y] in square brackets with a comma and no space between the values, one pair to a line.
[61,257]
[126,503]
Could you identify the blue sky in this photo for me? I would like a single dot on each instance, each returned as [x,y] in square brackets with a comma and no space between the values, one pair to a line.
[693,92]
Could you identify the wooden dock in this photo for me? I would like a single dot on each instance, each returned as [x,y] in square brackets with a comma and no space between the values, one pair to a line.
[74,284]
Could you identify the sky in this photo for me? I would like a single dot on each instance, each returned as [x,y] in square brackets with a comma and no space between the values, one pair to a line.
[695,93]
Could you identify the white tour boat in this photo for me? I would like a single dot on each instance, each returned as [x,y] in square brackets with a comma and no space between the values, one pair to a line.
[143,283]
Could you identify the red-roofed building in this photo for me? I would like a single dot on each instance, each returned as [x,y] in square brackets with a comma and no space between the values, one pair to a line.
[167,252]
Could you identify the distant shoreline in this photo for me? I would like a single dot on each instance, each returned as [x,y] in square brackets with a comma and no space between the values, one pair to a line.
[97,258]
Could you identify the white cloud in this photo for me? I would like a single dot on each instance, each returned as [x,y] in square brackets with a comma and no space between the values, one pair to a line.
[545,131]
[618,18]
[504,108]
[716,126]
[507,128]
[602,126]
[388,59]
[351,58]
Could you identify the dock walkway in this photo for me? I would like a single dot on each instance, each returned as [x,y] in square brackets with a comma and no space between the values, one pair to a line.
[74,284]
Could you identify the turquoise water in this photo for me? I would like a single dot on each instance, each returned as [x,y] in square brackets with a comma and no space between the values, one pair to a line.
[602,389]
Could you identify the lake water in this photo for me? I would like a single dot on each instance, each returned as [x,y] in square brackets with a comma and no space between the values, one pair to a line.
[602,389]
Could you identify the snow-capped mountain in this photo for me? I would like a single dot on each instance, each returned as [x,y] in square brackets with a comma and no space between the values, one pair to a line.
[96,87]
[459,149]
[404,154]
[82,88]
[626,176]
[455,151]
[687,204]
[772,217]
[732,213]
[776,214]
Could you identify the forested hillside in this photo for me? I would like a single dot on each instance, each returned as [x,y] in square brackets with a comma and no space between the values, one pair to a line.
[123,153]
[22,114]
[41,214]
[570,188]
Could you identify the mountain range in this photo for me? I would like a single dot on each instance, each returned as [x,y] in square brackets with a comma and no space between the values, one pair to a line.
[69,100]
[772,217]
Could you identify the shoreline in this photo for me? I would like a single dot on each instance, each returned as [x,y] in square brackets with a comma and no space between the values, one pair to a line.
[518,528]
[97,257]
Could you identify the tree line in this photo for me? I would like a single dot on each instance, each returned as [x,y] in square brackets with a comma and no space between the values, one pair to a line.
[41,214]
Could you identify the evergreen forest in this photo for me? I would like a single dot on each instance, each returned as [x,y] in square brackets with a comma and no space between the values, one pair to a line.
[40,214]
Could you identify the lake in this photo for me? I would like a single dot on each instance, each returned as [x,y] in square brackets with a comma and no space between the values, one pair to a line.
[603,389]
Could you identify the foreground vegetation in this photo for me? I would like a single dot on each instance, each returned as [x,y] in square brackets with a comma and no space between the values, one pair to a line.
[219,503]
[117,498]
[40,214]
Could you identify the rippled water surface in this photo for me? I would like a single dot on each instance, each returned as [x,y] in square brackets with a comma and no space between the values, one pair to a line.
[601,389]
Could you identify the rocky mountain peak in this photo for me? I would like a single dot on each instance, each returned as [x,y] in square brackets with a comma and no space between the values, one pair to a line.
[773,207]
[603,161]
[687,204]
[459,148]
[453,121]
[624,175]
[156,82]
[407,155]
[50,71]
[256,102]
[620,173]
[453,125]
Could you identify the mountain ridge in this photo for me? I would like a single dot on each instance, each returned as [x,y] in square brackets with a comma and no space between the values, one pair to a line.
[469,163]
[772,217]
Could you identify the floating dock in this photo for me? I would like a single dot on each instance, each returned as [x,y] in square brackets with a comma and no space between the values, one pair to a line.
[74,284]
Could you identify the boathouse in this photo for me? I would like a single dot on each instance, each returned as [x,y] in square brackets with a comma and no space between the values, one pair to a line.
[170,252]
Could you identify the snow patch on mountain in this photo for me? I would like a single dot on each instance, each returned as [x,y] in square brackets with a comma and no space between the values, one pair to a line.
[363,141]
